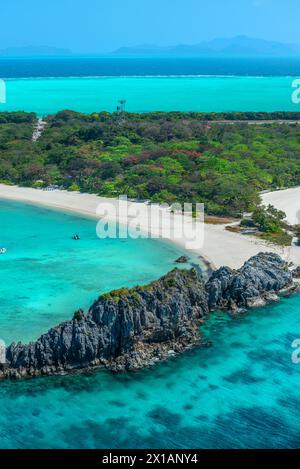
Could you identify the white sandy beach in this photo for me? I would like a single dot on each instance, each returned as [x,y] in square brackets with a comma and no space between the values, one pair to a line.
[220,247]
[287,200]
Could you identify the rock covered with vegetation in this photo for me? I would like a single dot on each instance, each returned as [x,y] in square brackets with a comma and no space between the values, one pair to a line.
[123,329]
[134,328]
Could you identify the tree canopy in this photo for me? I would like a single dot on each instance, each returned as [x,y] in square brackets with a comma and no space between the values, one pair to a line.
[164,157]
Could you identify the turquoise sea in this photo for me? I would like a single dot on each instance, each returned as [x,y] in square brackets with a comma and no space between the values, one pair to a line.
[94,83]
[241,392]
[150,93]
[46,275]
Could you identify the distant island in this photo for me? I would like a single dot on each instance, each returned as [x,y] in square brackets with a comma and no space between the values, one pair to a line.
[238,46]
[28,51]
[230,47]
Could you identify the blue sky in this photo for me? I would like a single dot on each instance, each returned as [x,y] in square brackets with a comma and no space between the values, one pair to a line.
[102,26]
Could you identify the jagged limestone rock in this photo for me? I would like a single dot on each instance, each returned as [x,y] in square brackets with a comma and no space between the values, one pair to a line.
[137,327]
[261,275]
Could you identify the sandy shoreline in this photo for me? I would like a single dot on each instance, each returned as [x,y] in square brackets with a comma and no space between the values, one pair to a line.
[287,200]
[220,247]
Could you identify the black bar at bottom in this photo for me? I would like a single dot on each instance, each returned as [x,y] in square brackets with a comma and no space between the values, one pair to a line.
[138,458]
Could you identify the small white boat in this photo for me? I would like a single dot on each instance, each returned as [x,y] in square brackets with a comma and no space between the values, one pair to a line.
[2,250]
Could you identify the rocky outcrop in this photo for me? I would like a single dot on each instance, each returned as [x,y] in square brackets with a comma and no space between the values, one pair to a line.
[255,284]
[133,328]
[124,329]
[296,272]
[182,260]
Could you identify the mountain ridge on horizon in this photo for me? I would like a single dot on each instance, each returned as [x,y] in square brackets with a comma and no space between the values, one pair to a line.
[238,46]
[235,46]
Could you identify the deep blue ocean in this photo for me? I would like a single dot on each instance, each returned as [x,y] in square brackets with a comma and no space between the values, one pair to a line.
[92,66]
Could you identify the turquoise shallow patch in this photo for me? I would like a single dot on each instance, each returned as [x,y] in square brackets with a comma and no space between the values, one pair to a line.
[144,94]
[45,275]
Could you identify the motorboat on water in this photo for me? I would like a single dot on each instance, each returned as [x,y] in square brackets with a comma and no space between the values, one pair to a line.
[2,250]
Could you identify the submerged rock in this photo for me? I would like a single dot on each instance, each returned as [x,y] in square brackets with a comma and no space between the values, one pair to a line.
[182,260]
[134,328]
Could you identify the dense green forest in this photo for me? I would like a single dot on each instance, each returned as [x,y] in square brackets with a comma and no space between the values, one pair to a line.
[164,157]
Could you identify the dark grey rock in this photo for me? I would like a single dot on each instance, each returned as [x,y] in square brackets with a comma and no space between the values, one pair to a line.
[296,272]
[182,260]
[137,327]
[252,285]
[124,329]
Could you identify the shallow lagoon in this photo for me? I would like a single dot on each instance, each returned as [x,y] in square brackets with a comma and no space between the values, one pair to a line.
[45,275]
[146,94]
